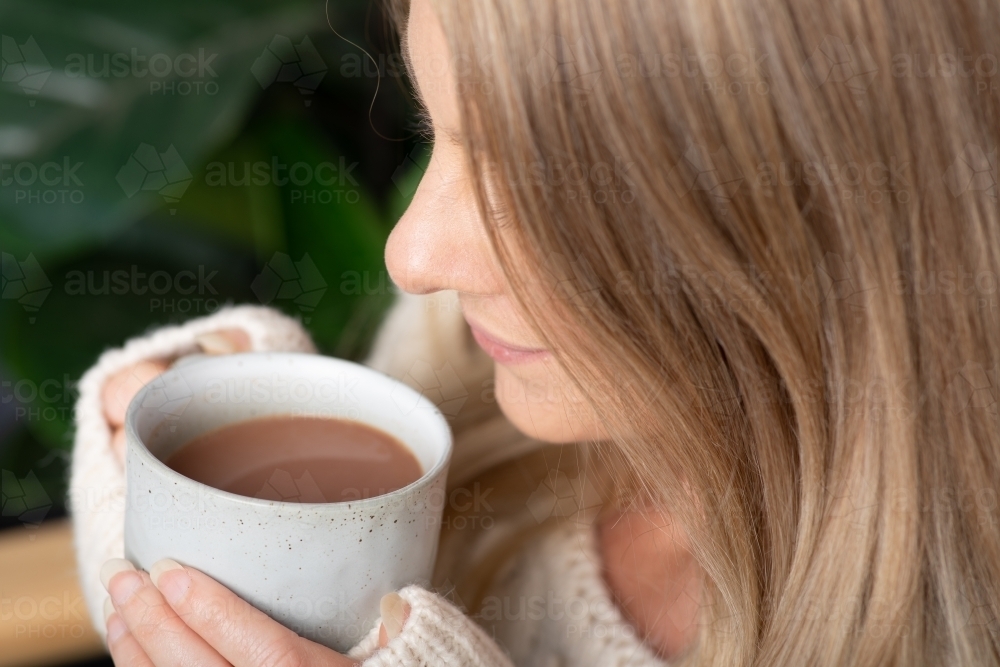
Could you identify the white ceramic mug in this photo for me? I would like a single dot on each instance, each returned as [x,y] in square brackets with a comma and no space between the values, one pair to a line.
[319,568]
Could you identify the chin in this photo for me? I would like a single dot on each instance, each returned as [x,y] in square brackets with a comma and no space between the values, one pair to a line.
[534,409]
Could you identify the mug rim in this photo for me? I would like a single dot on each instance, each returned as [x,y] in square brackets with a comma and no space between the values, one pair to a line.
[418,484]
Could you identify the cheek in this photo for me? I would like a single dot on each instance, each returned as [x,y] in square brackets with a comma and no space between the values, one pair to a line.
[544,404]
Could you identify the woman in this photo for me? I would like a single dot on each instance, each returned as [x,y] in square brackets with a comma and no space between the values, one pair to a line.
[745,255]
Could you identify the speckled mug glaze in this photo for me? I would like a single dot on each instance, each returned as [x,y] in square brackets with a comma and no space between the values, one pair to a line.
[319,568]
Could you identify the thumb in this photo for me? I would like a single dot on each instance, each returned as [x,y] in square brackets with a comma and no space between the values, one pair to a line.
[395,610]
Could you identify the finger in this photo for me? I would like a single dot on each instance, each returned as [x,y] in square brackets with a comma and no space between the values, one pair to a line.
[124,649]
[244,635]
[124,385]
[395,610]
[224,341]
[164,637]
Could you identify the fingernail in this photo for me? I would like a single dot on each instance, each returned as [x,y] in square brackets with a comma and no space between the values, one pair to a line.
[215,343]
[112,567]
[173,587]
[161,566]
[392,610]
[109,608]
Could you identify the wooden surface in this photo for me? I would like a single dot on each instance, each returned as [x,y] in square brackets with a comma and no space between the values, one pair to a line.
[43,618]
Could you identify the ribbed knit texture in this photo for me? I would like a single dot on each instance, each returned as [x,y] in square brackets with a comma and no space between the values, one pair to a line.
[549,606]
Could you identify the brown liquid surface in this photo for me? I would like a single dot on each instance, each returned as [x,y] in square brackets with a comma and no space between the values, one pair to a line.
[298,459]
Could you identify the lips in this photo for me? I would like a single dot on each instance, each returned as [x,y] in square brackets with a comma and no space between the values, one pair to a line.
[504,353]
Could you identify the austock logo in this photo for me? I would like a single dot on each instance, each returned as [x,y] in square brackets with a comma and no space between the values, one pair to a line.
[981,599]
[975,387]
[24,499]
[562,61]
[974,170]
[186,73]
[24,65]
[848,282]
[281,486]
[441,386]
[285,280]
[716,174]
[559,495]
[148,170]
[284,62]
[50,182]
[24,282]
[569,279]
[404,177]
[170,400]
[835,61]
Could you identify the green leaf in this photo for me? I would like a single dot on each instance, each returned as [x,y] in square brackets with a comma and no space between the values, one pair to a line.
[332,224]
[88,125]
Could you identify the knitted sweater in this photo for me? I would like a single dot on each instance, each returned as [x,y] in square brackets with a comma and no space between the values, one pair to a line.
[553,608]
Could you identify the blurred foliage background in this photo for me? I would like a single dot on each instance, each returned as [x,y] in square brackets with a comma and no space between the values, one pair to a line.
[160,160]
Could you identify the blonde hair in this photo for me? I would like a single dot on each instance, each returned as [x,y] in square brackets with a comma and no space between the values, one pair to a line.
[775,238]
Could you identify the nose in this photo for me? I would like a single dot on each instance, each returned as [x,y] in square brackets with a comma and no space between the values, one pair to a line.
[440,242]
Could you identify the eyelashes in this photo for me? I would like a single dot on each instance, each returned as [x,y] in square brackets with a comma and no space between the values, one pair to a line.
[423,125]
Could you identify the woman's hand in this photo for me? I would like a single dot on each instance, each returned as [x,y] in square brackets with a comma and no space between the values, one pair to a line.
[177,616]
[121,388]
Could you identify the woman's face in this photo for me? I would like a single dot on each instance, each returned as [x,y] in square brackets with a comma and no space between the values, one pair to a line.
[441,243]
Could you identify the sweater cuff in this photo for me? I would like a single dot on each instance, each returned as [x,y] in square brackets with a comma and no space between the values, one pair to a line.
[96,496]
[435,633]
